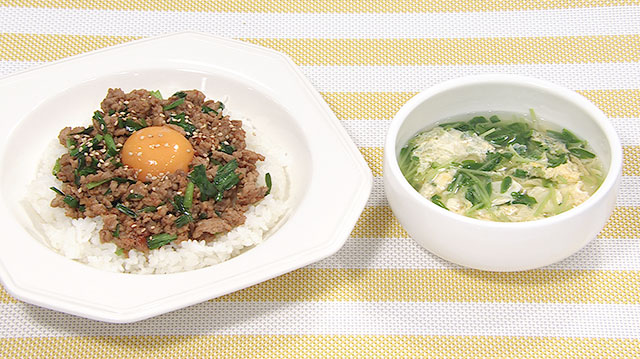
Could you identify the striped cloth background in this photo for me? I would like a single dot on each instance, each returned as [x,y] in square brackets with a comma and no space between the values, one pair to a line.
[381,295]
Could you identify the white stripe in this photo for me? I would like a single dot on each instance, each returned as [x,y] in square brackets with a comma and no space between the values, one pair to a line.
[600,76]
[563,22]
[405,253]
[372,132]
[361,318]
[9,67]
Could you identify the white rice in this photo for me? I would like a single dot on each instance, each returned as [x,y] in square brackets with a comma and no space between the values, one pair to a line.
[79,239]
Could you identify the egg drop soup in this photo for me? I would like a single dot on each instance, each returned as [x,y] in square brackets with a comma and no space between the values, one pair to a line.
[502,167]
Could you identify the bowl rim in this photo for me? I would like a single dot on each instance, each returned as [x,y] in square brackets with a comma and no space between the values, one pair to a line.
[601,120]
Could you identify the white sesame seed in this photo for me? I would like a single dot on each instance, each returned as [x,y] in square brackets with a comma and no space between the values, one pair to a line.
[139,154]
[130,153]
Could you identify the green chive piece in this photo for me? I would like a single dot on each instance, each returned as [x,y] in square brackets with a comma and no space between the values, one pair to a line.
[135,196]
[119,251]
[158,240]
[156,94]
[111,145]
[56,168]
[267,181]
[188,195]
[92,185]
[116,233]
[174,104]
[102,126]
[183,220]
[228,149]
[126,210]
[57,191]
[149,209]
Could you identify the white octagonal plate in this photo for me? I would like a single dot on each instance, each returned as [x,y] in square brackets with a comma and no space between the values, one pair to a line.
[330,181]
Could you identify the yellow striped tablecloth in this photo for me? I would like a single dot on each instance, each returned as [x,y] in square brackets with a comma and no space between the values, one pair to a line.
[381,295]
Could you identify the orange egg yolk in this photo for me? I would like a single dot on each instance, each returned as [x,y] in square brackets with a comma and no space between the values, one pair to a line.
[156,151]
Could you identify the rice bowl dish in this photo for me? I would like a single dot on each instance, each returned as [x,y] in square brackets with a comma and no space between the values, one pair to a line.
[79,238]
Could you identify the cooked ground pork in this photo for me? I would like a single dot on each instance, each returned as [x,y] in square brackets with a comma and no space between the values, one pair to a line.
[96,183]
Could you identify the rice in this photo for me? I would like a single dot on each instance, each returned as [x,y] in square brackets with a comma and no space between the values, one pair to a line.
[79,239]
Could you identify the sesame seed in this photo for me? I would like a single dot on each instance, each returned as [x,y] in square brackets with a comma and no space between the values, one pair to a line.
[142,137]
[188,150]
[139,154]
[130,153]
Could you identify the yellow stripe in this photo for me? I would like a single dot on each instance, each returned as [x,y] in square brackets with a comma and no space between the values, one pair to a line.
[459,51]
[615,103]
[5,297]
[317,6]
[454,51]
[318,346]
[379,222]
[622,103]
[630,163]
[446,285]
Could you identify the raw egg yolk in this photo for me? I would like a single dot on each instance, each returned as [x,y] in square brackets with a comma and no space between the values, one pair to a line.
[156,151]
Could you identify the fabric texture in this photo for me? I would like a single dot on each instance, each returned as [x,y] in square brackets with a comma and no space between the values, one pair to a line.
[382,295]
